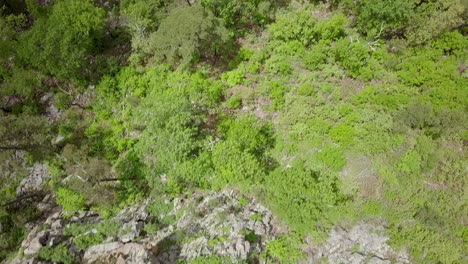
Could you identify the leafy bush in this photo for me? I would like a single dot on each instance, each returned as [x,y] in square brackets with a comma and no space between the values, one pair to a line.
[386,15]
[234,166]
[276,92]
[433,18]
[234,77]
[450,43]
[234,102]
[159,207]
[306,89]
[278,64]
[357,58]
[299,25]
[333,28]
[237,14]
[410,163]
[304,198]
[248,133]
[69,200]
[343,134]
[186,34]
[85,241]
[57,254]
[317,55]
[284,249]
[333,157]
[57,44]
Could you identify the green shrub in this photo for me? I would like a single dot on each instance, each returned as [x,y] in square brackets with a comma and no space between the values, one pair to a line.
[159,207]
[285,249]
[357,58]
[306,89]
[57,44]
[234,166]
[210,260]
[316,56]
[333,28]
[85,241]
[451,43]
[417,70]
[234,77]
[386,15]
[279,64]
[240,15]
[410,163]
[333,157]
[248,133]
[276,93]
[342,134]
[234,102]
[57,254]
[109,228]
[304,198]
[69,200]
[186,34]
[299,25]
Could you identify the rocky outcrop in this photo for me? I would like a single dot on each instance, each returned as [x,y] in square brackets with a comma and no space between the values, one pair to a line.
[117,252]
[224,224]
[364,243]
[38,175]
[207,223]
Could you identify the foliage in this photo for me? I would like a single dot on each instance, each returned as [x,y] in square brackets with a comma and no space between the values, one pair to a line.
[159,207]
[449,14]
[326,111]
[234,102]
[237,14]
[69,200]
[343,134]
[86,240]
[57,254]
[25,132]
[283,250]
[357,58]
[304,198]
[57,44]
[333,157]
[298,25]
[187,34]
[143,15]
[383,15]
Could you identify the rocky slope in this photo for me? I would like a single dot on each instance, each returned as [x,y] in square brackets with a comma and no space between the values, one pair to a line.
[224,224]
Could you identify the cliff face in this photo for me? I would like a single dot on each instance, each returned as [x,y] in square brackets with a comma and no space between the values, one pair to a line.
[214,227]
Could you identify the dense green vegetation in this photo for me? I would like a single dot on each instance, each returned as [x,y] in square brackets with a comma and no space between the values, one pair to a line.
[326,111]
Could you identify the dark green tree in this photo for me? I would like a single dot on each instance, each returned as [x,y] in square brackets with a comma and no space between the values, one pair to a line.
[61,43]
[187,34]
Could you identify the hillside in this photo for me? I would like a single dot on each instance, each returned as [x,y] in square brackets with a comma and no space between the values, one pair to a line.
[230,131]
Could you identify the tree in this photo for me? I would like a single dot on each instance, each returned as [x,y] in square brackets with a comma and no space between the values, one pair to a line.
[142,17]
[236,13]
[59,44]
[25,132]
[187,34]
[419,21]
[433,18]
[386,15]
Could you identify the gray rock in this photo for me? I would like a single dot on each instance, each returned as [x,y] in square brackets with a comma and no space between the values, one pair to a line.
[362,243]
[94,253]
[36,242]
[38,175]
[198,247]
[131,253]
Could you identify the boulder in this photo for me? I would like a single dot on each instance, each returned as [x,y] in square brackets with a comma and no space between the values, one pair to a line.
[36,242]
[38,175]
